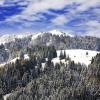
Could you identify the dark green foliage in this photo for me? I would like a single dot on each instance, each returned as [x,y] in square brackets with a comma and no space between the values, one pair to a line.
[2,47]
[26,79]
[95,67]
[86,53]
[52,53]
[4,55]
[40,44]
[20,73]
[62,55]
[59,82]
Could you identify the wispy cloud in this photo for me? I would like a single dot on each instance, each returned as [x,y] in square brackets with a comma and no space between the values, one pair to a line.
[59,20]
[93,28]
[73,15]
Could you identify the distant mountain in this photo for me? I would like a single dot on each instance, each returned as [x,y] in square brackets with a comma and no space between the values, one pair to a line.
[59,33]
[11,37]
[59,39]
[13,44]
[49,65]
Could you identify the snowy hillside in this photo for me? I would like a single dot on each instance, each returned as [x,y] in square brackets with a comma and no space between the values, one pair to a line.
[59,33]
[7,38]
[26,57]
[77,55]
[53,32]
[11,61]
[11,37]
[36,35]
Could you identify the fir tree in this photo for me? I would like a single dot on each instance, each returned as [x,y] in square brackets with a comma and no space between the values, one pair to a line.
[64,54]
[61,55]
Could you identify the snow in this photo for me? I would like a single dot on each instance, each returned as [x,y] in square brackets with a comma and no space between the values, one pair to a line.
[21,36]
[57,60]
[43,66]
[6,96]
[77,55]
[59,33]
[35,36]
[14,60]
[11,37]
[11,61]
[2,65]
[26,57]
[53,32]
[7,38]
[56,32]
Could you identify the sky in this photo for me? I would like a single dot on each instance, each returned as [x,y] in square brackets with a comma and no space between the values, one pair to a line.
[79,17]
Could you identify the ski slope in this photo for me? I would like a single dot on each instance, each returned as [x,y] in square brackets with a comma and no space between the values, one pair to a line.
[77,55]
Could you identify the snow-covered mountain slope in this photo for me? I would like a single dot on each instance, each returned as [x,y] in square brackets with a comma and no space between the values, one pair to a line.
[26,57]
[59,33]
[11,37]
[7,38]
[53,32]
[11,61]
[77,55]
[35,36]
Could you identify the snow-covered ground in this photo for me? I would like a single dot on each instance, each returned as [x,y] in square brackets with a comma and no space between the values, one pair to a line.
[26,57]
[77,55]
[6,96]
[12,61]
[35,36]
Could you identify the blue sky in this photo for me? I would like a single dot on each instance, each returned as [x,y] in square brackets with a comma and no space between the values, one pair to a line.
[73,16]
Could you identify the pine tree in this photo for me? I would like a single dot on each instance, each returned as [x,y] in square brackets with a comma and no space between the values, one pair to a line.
[64,54]
[49,55]
[61,55]
[21,55]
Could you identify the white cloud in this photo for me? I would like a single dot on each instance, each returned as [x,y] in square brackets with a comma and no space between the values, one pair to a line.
[35,7]
[93,28]
[59,20]
[43,5]
[95,24]
[39,6]
[2,2]
[85,4]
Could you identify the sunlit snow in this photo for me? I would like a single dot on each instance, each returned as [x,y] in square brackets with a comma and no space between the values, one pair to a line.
[77,55]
